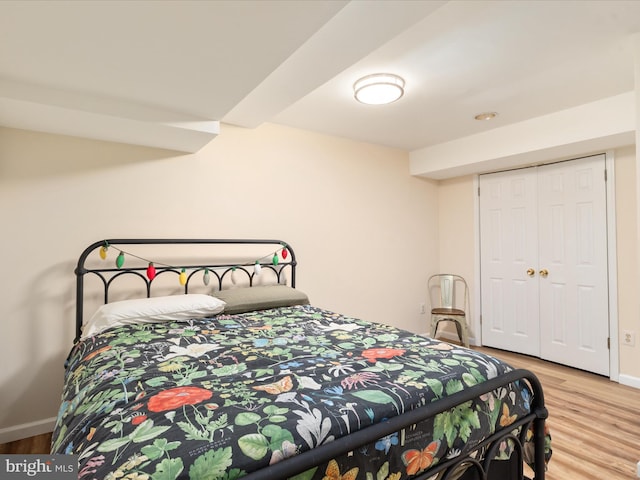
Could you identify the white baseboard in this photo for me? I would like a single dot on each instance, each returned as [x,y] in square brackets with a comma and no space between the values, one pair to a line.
[18,432]
[629,381]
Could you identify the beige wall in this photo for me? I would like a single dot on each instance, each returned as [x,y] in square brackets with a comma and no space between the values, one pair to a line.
[627,250]
[457,239]
[364,231]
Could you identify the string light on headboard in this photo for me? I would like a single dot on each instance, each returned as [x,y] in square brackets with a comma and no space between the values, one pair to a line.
[183,278]
[151,271]
[120,259]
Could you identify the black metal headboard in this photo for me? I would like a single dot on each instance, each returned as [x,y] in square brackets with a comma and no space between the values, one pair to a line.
[218,271]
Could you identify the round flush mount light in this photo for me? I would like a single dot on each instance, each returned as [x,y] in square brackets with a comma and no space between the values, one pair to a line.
[379,89]
[486,116]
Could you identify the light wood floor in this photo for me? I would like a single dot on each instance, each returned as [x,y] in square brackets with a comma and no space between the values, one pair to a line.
[37,444]
[595,423]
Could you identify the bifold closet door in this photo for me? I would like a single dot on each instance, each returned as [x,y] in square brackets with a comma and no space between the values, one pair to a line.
[544,290]
[509,252]
[572,225]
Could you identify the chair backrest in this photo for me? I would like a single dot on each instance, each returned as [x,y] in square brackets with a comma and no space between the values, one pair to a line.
[447,290]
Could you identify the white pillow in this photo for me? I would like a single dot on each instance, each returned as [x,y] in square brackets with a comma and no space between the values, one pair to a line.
[152,310]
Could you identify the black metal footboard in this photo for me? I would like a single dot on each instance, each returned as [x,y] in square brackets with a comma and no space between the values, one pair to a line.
[448,469]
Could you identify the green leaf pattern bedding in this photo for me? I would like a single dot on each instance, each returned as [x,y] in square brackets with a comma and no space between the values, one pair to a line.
[218,398]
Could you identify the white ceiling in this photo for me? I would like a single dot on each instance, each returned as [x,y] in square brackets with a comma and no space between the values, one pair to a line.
[165,73]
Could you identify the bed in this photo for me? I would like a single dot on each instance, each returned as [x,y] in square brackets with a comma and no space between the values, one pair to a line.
[222,369]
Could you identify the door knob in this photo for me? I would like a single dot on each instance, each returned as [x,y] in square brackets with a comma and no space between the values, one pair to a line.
[544,272]
[531,272]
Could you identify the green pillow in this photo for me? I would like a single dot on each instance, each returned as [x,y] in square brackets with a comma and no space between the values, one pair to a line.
[248,299]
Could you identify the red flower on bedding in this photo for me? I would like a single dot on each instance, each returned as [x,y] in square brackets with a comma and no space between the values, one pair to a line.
[373,354]
[177,397]
[138,419]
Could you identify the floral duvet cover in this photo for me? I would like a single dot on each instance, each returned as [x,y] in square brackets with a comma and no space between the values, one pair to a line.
[218,398]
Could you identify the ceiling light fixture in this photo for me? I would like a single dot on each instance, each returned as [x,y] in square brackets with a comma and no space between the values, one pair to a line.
[486,116]
[379,89]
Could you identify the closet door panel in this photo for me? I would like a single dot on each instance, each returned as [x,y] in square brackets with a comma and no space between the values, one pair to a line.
[574,320]
[508,243]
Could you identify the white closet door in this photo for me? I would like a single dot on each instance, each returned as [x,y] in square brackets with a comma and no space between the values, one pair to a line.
[574,314]
[508,248]
[550,221]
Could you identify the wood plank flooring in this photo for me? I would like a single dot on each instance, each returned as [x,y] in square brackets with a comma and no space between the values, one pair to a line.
[595,423]
[37,444]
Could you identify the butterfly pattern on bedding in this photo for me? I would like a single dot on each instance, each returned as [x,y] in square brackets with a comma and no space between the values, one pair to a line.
[218,398]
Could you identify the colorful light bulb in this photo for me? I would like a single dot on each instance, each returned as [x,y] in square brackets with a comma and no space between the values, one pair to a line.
[151,271]
[183,277]
[234,276]
[284,253]
[275,259]
[257,267]
[120,260]
[103,252]
[206,278]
